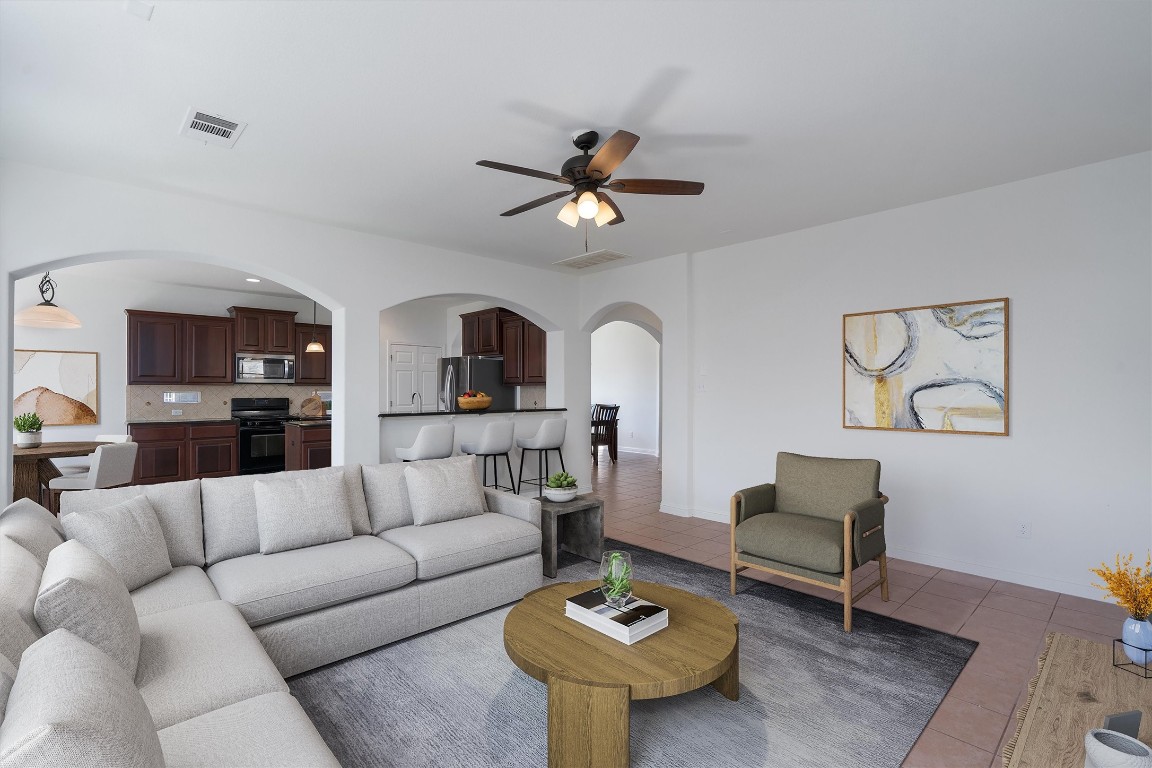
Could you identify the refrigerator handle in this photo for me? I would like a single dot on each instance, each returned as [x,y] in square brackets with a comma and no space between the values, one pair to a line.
[446,394]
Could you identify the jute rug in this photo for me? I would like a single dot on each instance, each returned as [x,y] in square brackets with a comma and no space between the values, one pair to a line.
[811,695]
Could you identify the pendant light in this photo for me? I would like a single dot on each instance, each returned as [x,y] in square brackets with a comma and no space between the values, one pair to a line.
[314,345]
[46,314]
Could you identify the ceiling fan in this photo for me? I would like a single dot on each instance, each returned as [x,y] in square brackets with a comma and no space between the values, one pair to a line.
[590,177]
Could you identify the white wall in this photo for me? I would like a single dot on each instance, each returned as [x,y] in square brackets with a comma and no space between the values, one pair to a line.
[626,371]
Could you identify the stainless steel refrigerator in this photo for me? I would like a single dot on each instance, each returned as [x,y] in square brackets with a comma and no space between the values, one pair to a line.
[480,374]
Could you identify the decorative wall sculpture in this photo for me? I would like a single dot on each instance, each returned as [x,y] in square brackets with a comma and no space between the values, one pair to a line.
[60,387]
[940,368]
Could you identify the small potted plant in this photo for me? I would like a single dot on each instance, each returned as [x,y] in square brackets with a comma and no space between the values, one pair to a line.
[561,487]
[1132,589]
[28,426]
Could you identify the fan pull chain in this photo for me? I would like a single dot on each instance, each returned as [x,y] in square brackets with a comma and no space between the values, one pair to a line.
[585,235]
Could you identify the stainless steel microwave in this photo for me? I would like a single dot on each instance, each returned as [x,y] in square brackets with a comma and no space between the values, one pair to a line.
[272,369]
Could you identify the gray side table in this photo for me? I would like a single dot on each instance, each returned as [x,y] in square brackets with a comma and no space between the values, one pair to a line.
[575,526]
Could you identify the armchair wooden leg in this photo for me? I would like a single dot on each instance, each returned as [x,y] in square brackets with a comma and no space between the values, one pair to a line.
[883,576]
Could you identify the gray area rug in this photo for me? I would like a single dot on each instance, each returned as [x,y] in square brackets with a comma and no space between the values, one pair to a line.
[810,695]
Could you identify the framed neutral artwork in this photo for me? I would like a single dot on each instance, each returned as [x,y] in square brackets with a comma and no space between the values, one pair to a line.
[940,368]
[60,387]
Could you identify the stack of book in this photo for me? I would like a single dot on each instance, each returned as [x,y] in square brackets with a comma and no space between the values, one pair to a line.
[634,621]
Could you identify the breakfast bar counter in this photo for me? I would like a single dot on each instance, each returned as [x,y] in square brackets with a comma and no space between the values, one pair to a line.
[388,415]
[398,432]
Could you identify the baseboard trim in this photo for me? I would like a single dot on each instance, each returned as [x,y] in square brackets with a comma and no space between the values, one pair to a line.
[645,451]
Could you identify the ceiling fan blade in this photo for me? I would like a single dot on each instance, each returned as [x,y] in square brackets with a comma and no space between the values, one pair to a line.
[656,186]
[611,204]
[524,171]
[611,154]
[537,202]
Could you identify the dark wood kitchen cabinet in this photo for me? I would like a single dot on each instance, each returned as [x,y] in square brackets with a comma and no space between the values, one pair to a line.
[307,447]
[513,346]
[313,367]
[481,332]
[171,451]
[525,351]
[264,330]
[168,348]
[535,354]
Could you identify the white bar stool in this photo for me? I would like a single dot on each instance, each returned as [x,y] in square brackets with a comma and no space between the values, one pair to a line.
[112,466]
[495,441]
[434,441]
[550,437]
[79,466]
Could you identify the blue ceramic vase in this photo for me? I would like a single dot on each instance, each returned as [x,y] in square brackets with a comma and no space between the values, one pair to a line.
[1138,633]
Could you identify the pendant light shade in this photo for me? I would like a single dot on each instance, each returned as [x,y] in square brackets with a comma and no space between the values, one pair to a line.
[587,205]
[46,314]
[314,345]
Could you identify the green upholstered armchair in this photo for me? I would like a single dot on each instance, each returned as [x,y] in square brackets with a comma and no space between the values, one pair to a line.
[819,521]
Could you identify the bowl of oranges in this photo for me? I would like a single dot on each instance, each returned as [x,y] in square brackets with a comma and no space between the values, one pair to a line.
[473,401]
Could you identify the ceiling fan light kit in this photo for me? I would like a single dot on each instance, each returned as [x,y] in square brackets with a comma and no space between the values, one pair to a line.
[590,175]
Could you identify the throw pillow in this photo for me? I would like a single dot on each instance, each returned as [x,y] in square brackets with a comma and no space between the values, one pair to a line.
[302,512]
[128,536]
[443,489]
[82,593]
[72,705]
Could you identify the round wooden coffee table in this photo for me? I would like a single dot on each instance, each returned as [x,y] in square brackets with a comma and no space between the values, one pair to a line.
[592,678]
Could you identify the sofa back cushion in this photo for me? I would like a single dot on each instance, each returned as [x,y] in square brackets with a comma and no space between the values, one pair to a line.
[32,527]
[444,489]
[297,512]
[127,535]
[20,573]
[72,705]
[808,485]
[387,496]
[229,503]
[82,593]
[177,507]
[7,677]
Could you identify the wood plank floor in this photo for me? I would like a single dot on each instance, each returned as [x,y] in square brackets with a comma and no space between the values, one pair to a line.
[1009,620]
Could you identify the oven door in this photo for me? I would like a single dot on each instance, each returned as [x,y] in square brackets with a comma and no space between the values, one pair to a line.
[261,449]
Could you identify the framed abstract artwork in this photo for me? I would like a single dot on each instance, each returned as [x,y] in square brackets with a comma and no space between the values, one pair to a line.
[62,388]
[939,368]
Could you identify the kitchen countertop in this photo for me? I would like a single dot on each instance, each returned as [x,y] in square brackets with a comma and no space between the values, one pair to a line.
[179,421]
[310,421]
[474,413]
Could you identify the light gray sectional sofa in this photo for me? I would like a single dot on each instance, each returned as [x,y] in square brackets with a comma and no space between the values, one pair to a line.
[154,625]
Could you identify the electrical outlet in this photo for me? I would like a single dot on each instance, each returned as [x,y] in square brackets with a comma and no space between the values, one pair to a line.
[1023,529]
[177,412]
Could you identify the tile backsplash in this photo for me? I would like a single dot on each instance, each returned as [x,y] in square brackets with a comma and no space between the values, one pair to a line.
[146,403]
[533,394]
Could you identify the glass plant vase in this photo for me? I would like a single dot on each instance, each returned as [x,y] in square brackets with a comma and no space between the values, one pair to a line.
[616,577]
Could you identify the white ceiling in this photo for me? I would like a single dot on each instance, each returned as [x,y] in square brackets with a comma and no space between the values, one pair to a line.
[371,115]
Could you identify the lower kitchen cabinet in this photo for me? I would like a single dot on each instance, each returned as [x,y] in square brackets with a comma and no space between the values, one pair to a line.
[307,447]
[172,451]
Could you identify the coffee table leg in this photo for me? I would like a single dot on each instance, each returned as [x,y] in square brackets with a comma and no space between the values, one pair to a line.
[587,725]
[728,684]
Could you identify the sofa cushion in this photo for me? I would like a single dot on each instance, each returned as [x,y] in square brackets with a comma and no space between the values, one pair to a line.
[295,512]
[82,593]
[827,488]
[387,496]
[186,585]
[457,545]
[127,535]
[199,658]
[269,731]
[71,705]
[444,489]
[7,677]
[803,540]
[270,587]
[32,527]
[20,573]
[177,507]
[230,528]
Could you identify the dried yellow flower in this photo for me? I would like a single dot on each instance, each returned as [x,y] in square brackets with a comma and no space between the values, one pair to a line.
[1132,587]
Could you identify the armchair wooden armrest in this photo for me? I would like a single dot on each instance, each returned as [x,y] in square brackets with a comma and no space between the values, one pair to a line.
[753,501]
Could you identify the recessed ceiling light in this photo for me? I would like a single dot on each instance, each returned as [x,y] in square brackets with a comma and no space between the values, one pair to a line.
[252,279]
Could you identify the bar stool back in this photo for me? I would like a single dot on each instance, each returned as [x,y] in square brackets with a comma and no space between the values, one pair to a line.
[495,441]
[432,442]
[82,464]
[112,466]
[550,437]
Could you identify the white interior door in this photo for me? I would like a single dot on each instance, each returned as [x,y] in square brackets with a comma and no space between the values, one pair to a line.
[427,373]
[413,368]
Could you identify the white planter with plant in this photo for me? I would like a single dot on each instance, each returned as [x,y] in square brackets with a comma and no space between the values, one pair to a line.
[28,426]
[561,487]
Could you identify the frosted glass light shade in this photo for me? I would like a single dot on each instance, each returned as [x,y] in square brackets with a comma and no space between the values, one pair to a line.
[568,214]
[587,205]
[604,214]
[46,315]
[314,346]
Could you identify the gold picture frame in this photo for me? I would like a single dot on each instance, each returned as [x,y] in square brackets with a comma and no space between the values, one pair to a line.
[933,368]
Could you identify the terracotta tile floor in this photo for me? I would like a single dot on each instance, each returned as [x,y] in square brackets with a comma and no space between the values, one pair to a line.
[1009,620]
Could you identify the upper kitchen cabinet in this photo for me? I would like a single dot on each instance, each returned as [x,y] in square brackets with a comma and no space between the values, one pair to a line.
[525,348]
[481,332]
[167,348]
[313,367]
[264,330]
[535,354]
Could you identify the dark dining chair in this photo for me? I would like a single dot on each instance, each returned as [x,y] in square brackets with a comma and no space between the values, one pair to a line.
[604,422]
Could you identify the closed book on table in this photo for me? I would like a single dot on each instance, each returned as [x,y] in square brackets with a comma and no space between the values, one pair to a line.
[635,621]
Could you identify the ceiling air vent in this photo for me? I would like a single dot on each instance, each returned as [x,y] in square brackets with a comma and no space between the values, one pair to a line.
[586,260]
[211,129]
